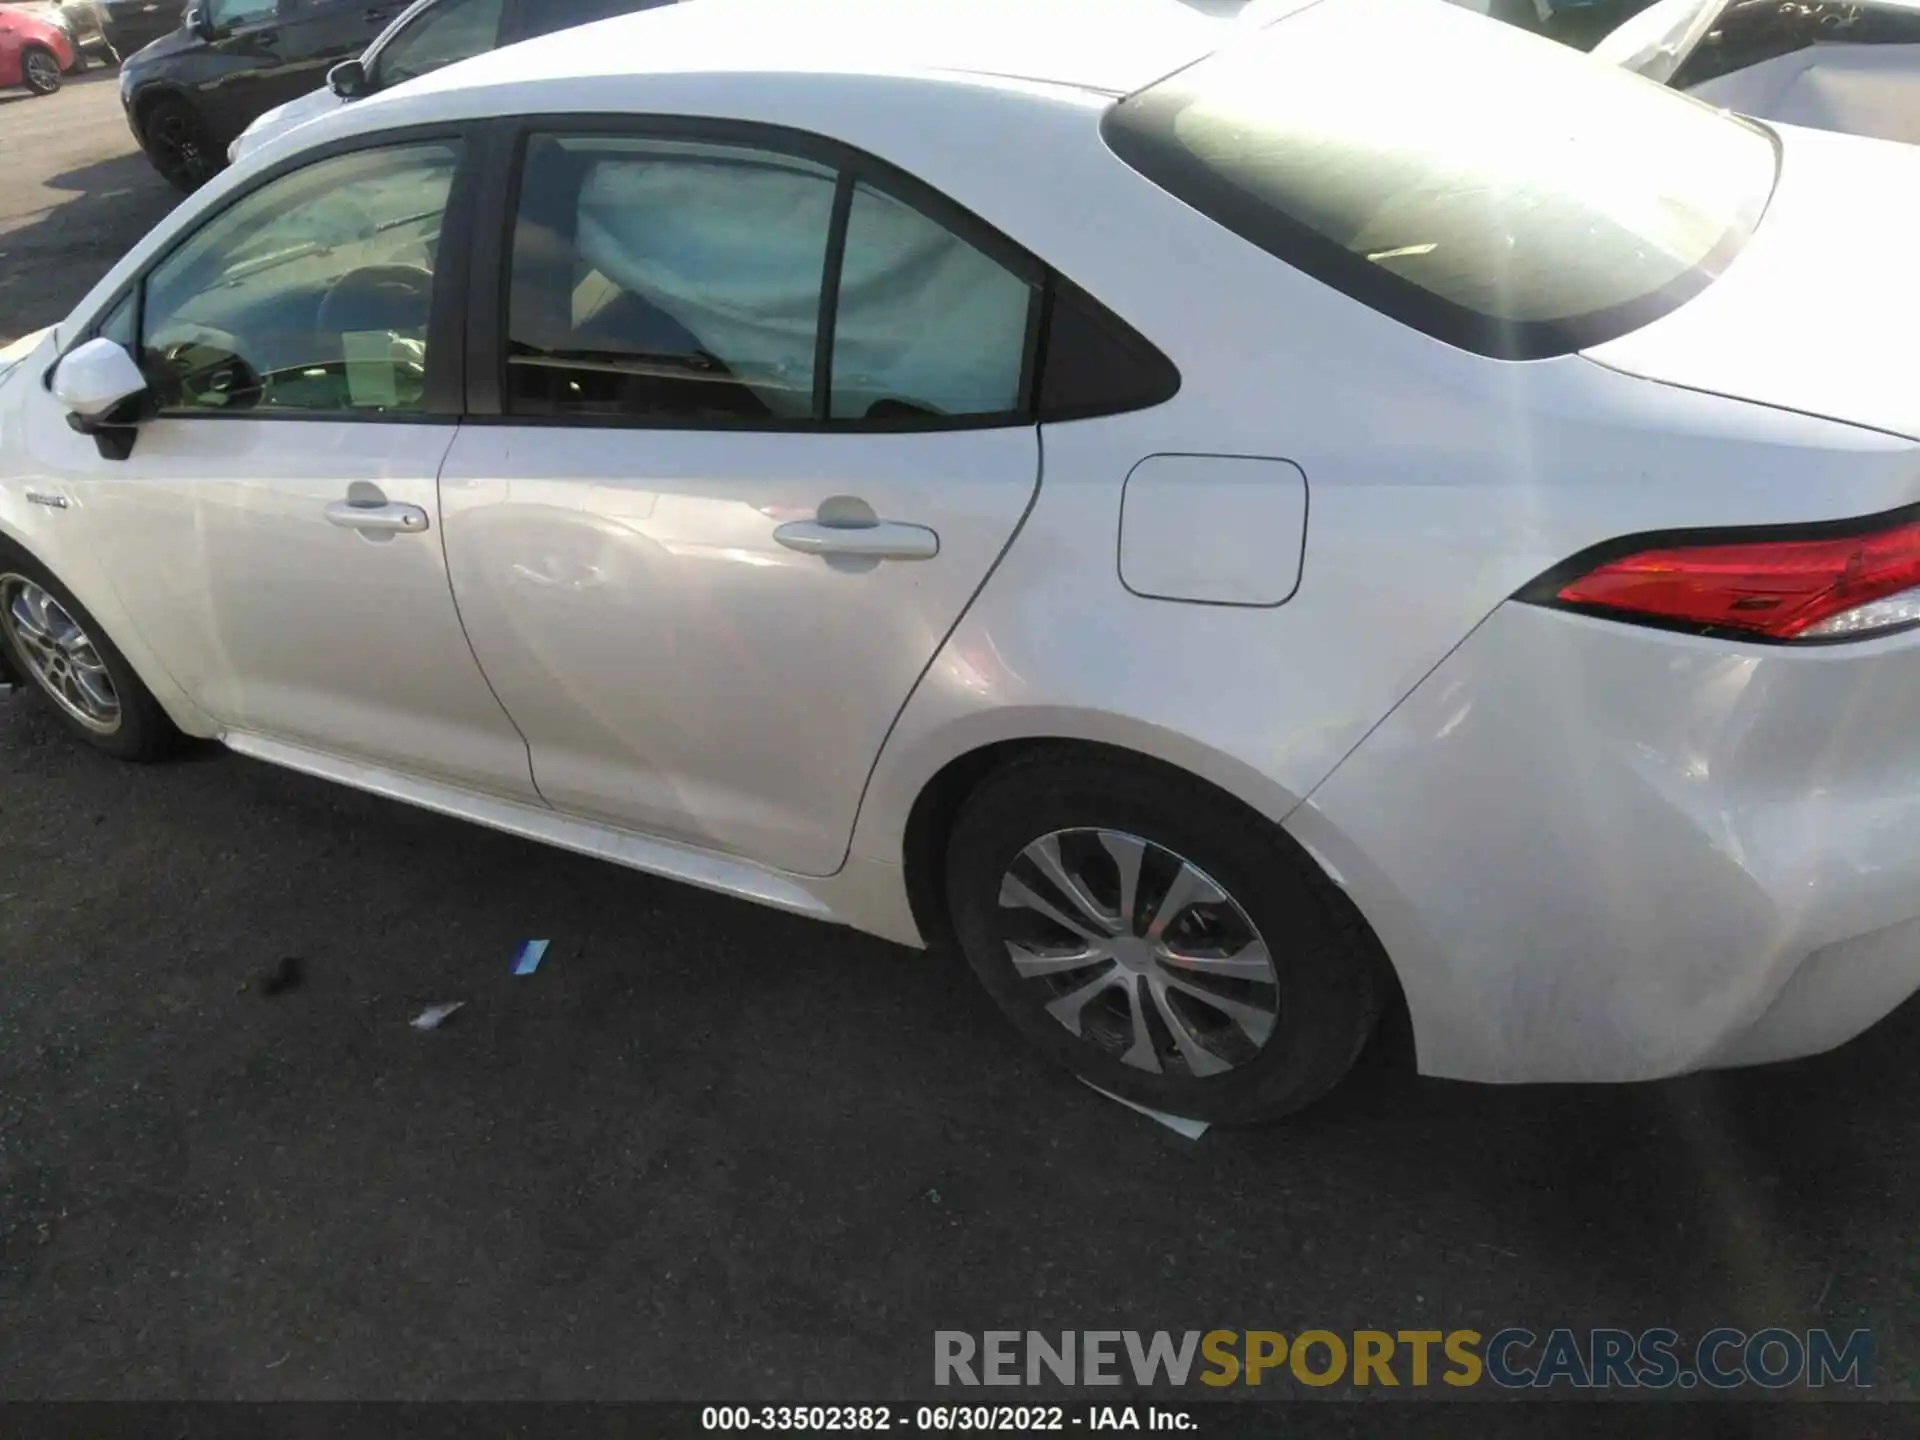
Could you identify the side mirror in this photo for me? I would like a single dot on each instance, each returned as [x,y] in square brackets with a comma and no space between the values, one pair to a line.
[200,22]
[100,387]
[348,80]
[96,379]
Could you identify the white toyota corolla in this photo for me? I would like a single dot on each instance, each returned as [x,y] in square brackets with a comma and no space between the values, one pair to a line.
[1237,536]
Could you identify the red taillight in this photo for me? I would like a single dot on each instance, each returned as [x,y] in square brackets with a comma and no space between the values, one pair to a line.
[1781,589]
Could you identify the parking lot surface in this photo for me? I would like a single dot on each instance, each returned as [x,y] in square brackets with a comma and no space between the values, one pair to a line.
[709,1151]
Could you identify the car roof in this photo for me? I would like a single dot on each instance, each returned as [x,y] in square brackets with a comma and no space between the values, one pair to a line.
[1110,46]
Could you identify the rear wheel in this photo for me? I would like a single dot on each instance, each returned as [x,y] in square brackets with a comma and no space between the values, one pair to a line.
[54,643]
[40,70]
[178,144]
[1162,942]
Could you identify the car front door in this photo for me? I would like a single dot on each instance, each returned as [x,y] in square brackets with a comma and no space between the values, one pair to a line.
[707,531]
[274,532]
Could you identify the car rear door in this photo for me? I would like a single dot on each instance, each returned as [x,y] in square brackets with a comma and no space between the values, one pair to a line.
[132,25]
[705,531]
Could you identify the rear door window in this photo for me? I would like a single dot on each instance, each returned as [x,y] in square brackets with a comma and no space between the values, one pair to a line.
[667,281]
[686,283]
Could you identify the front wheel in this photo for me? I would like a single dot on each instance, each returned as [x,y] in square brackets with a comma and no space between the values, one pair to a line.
[55,643]
[1159,940]
[40,70]
[179,146]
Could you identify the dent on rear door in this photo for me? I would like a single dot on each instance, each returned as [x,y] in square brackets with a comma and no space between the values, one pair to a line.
[675,668]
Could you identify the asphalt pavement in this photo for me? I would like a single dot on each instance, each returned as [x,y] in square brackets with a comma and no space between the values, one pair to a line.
[709,1151]
[74,194]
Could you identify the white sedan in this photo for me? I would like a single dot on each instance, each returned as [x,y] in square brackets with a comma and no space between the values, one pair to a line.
[1850,65]
[428,36]
[1221,524]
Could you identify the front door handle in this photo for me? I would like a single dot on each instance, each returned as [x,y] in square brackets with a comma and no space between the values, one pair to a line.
[380,519]
[882,540]
[267,37]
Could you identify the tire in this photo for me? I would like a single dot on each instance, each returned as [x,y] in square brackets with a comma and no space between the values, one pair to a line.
[40,70]
[177,143]
[141,730]
[1328,977]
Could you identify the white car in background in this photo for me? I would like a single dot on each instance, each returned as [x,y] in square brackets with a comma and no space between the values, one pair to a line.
[1852,66]
[1221,524]
[428,36]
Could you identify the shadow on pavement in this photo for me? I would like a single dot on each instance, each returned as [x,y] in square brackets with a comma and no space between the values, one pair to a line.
[53,257]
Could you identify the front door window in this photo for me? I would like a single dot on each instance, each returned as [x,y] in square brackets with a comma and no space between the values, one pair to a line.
[310,296]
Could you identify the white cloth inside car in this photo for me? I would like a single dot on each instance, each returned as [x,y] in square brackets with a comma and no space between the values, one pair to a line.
[734,251]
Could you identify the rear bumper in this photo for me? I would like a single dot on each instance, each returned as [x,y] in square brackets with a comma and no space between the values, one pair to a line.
[1597,852]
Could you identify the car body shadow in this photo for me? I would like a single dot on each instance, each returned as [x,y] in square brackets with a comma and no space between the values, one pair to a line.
[49,262]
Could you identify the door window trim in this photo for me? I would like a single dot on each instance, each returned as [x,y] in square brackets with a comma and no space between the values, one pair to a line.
[447,351]
[504,149]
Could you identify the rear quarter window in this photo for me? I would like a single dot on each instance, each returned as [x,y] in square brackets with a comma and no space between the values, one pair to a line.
[1498,191]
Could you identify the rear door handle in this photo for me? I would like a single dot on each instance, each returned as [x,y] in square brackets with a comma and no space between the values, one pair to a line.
[378,519]
[377,16]
[884,540]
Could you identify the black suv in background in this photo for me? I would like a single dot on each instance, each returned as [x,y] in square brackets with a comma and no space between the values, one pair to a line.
[189,95]
[132,25]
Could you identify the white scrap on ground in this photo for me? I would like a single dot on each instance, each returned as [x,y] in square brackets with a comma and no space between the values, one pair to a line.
[1179,1124]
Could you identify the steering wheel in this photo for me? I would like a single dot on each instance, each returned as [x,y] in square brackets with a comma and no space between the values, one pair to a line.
[383,300]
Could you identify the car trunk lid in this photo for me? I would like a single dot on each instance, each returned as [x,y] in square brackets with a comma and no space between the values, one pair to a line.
[1820,311]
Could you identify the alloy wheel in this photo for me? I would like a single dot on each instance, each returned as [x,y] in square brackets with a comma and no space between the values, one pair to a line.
[1138,952]
[179,149]
[59,654]
[43,71]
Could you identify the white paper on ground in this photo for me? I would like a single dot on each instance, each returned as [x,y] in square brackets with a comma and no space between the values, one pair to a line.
[1179,1124]
[434,1016]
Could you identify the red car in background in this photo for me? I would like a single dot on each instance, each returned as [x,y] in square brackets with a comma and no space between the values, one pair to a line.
[32,52]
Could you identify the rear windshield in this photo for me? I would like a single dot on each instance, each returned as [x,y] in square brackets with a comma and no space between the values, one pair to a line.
[1501,192]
